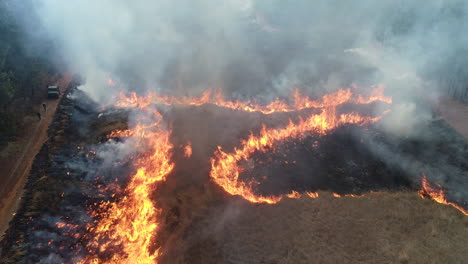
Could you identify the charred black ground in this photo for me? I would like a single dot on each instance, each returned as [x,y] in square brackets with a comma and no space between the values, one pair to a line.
[338,162]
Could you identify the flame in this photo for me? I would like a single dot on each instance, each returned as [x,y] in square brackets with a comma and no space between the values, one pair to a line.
[334,99]
[299,101]
[312,194]
[225,170]
[376,95]
[126,229]
[120,134]
[436,193]
[188,150]
[355,195]
[111,82]
[294,195]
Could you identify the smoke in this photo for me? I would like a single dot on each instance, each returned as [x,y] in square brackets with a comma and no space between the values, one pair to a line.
[252,48]
[139,44]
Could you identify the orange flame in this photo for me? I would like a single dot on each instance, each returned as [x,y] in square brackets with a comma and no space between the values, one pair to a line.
[436,193]
[111,82]
[376,95]
[225,170]
[312,194]
[120,133]
[127,228]
[188,150]
[130,224]
[300,101]
[294,195]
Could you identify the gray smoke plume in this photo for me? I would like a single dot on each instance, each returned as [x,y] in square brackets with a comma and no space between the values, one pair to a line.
[255,48]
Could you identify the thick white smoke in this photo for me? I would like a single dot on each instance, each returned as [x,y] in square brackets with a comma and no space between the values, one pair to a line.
[139,43]
[253,47]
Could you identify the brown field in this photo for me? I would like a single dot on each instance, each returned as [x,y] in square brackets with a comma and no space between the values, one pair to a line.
[377,228]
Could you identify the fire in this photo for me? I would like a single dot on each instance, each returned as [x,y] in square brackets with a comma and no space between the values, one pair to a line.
[436,193]
[188,150]
[334,99]
[120,133]
[225,170]
[294,195]
[376,95]
[312,194]
[111,82]
[126,228]
[299,101]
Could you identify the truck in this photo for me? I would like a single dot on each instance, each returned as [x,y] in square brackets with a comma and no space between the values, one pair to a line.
[53,92]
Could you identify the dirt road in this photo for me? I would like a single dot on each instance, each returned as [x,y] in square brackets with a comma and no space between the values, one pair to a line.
[16,166]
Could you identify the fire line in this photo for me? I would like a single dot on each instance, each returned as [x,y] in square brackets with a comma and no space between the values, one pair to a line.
[436,193]
[299,101]
[126,229]
[225,170]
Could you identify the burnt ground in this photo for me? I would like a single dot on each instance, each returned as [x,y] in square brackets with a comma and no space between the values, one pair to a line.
[203,224]
[66,177]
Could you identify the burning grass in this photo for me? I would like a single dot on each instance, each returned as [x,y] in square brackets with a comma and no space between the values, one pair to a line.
[437,193]
[126,228]
[296,103]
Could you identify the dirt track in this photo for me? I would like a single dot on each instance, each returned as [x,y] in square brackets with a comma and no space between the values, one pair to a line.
[16,167]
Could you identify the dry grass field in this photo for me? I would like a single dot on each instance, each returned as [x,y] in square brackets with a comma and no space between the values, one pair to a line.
[377,228]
